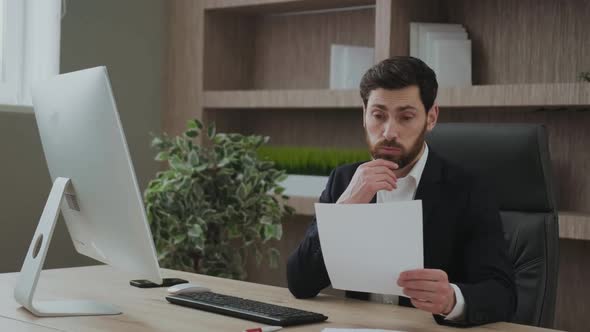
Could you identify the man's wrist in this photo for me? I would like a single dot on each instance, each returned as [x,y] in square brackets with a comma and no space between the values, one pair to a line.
[458,311]
[452,303]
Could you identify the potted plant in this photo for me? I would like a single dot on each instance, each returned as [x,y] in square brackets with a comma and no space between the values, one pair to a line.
[215,202]
[309,167]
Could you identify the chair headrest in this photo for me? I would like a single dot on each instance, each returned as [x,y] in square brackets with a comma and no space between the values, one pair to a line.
[513,158]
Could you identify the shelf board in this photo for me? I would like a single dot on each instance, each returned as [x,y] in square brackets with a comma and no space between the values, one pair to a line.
[279,6]
[282,99]
[517,95]
[572,225]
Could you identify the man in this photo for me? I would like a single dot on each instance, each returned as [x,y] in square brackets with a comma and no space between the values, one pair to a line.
[468,278]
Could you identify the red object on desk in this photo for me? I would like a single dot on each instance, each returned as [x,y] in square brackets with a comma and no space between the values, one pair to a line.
[264,329]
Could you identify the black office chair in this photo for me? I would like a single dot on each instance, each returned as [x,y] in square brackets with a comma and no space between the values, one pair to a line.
[514,158]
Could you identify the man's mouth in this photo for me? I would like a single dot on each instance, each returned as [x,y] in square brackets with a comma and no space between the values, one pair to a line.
[389,150]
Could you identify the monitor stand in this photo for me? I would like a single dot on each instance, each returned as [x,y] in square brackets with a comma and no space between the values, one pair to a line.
[29,275]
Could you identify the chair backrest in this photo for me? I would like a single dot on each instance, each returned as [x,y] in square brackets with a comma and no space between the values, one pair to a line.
[514,158]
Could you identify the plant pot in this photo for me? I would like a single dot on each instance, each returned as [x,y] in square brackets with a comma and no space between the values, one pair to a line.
[304,185]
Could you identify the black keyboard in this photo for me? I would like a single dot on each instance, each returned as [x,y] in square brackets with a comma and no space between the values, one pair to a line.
[246,309]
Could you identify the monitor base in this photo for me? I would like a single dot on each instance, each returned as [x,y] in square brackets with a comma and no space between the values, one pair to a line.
[24,290]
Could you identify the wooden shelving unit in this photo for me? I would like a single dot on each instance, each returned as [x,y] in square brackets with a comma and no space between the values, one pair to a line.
[262,67]
[572,225]
[255,99]
[514,95]
[279,6]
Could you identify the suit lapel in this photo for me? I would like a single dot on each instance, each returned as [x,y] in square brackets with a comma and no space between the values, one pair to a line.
[429,191]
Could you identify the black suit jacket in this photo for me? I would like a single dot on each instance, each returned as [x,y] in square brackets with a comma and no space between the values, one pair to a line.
[462,235]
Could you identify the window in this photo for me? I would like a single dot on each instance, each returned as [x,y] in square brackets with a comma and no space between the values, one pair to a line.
[29,46]
[2,2]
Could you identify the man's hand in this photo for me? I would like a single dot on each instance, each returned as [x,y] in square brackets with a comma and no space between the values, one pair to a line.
[368,179]
[429,290]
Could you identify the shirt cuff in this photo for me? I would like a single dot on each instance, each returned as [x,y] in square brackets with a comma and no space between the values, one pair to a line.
[458,312]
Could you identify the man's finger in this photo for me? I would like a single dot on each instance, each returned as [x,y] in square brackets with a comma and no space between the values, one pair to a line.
[423,305]
[424,274]
[420,294]
[425,285]
[384,178]
[382,162]
[383,170]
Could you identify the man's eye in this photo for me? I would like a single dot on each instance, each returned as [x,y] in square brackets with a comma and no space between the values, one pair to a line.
[407,118]
[378,116]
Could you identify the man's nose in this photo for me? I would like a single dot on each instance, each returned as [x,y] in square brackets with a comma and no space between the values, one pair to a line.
[391,130]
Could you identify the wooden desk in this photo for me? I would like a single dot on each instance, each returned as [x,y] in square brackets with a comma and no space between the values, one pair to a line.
[14,325]
[147,310]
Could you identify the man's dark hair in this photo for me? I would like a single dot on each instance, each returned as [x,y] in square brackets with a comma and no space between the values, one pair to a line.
[399,72]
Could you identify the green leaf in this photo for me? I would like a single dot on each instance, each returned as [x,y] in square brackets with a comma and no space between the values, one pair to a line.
[179,238]
[162,156]
[242,192]
[157,141]
[193,158]
[267,220]
[211,130]
[177,164]
[233,231]
[194,124]
[201,167]
[191,133]
[274,231]
[195,231]
[223,162]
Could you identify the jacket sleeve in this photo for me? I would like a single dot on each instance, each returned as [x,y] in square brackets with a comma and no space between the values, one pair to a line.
[489,288]
[306,271]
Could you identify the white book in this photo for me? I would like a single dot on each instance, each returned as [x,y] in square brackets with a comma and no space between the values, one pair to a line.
[423,28]
[348,64]
[432,36]
[452,62]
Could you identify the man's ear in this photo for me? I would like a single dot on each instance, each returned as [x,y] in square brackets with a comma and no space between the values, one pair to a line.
[432,117]
[364,116]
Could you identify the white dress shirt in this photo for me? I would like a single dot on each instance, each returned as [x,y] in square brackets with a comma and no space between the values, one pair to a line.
[405,191]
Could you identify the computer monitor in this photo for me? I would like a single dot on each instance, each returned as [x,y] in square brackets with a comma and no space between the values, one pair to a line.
[94,184]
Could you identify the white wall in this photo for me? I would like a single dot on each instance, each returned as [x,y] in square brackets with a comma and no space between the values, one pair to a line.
[126,36]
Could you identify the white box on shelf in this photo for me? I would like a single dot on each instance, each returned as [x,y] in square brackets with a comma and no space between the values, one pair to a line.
[452,62]
[432,36]
[418,32]
[304,185]
[348,64]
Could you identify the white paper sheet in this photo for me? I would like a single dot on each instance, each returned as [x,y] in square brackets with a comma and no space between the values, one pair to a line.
[367,246]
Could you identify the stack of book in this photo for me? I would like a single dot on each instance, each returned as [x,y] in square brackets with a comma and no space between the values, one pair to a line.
[348,64]
[445,48]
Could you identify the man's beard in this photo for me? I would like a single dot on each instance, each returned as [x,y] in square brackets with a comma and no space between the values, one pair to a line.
[405,158]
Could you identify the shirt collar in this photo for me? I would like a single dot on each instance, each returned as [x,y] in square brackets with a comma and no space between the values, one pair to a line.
[418,169]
